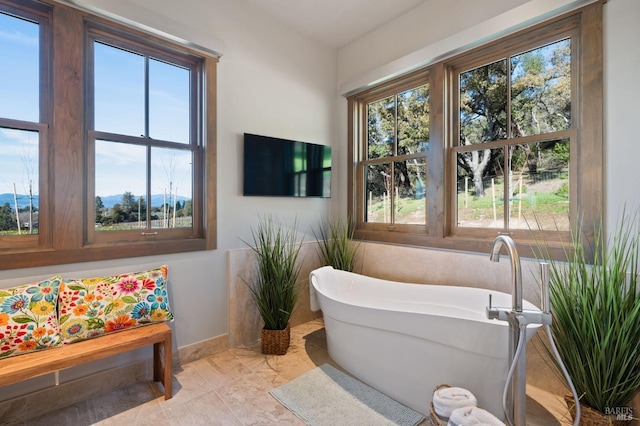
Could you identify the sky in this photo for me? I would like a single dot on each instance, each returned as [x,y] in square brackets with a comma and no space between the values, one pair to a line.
[119,108]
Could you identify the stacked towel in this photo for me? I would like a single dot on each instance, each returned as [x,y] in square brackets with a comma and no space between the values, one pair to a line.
[447,399]
[473,416]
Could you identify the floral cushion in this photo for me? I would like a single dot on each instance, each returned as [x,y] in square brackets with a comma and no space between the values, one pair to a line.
[28,320]
[93,306]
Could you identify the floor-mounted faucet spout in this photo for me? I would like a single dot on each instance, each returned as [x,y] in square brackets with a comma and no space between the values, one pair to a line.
[516,397]
[516,272]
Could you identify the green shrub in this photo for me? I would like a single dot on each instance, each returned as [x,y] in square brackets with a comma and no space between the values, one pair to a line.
[335,244]
[275,291]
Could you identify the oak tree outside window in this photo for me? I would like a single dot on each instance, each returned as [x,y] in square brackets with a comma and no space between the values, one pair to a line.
[513,153]
[502,139]
[396,151]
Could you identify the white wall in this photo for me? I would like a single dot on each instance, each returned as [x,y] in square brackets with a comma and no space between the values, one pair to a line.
[622,94]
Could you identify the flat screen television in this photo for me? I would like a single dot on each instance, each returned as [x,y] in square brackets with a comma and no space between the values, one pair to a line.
[286,168]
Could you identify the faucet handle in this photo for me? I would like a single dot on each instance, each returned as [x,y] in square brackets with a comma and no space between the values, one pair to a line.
[492,313]
[545,297]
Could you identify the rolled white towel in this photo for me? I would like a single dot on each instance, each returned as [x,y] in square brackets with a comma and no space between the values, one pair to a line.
[473,416]
[447,399]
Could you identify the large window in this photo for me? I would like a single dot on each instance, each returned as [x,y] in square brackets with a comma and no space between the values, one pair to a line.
[515,131]
[397,144]
[24,120]
[511,144]
[143,143]
[106,147]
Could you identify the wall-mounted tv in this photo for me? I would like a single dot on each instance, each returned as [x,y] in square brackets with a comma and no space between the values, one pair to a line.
[286,168]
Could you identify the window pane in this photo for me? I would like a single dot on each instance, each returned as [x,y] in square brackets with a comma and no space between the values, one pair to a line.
[539,186]
[18,182]
[119,91]
[541,90]
[378,195]
[381,128]
[413,120]
[172,194]
[19,69]
[168,102]
[483,104]
[410,184]
[121,179]
[480,189]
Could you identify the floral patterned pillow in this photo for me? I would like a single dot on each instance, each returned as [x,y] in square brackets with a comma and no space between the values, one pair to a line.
[28,320]
[94,306]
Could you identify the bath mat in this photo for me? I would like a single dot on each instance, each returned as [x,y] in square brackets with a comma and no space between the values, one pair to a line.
[327,396]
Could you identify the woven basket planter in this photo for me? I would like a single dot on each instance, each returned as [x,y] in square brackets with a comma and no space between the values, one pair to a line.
[275,342]
[591,417]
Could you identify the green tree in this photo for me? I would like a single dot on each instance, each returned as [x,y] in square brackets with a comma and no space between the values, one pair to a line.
[539,85]
[99,209]
[397,125]
[7,218]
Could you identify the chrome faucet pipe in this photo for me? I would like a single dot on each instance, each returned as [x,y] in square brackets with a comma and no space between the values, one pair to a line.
[516,397]
[516,272]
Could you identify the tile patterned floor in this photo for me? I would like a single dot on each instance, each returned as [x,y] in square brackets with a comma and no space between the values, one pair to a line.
[231,388]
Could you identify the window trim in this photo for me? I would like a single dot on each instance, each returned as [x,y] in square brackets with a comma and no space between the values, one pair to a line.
[63,187]
[587,113]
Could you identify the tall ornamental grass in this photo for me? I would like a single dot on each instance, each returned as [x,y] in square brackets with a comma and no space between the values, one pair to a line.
[335,243]
[596,315]
[274,290]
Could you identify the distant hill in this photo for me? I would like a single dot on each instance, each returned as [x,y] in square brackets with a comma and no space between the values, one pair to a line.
[23,200]
[108,200]
[156,200]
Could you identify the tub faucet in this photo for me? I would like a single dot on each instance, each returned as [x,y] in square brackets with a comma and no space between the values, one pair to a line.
[516,272]
[515,397]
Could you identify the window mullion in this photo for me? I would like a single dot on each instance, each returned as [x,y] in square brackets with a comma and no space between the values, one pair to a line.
[509,150]
[146,136]
[146,96]
[148,190]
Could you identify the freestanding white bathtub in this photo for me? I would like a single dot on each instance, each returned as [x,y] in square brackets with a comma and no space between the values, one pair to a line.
[405,339]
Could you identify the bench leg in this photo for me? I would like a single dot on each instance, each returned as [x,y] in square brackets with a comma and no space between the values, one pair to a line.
[162,366]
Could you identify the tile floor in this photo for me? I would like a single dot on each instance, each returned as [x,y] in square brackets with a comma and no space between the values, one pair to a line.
[231,388]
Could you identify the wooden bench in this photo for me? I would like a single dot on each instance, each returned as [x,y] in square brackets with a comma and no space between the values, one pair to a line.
[22,367]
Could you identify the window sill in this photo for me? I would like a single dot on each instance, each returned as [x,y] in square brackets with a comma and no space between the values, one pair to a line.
[15,259]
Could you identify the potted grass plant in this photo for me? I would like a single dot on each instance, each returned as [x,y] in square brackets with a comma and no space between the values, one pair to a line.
[595,303]
[335,243]
[274,289]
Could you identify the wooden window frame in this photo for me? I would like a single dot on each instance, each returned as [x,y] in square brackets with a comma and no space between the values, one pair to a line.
[41,14]
[584,26]
[421,78]
[97,32]
[65,202]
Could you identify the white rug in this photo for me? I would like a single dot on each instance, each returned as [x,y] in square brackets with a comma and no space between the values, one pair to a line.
[326,396]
